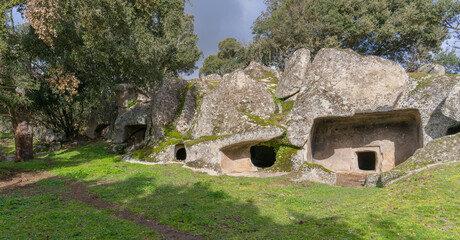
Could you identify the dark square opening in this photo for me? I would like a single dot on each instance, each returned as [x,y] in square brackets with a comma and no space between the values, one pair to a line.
[366,160]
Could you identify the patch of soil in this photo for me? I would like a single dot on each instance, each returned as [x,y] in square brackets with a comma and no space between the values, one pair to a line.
[12,180]
[80,193]
[346,179]
[18,181]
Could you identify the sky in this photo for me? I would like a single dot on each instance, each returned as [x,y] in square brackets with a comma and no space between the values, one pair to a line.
[216,20]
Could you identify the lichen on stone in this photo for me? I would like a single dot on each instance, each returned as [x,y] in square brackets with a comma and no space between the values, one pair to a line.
[205,139]
[284,153]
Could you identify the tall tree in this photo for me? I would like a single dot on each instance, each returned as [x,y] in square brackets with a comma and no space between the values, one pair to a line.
[400,30]
[230,56]
[83,47]
[16,78]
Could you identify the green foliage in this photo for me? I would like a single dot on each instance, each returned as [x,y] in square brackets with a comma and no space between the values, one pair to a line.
[449,60]
[6,135]
[287,106]
[231,56]
[132,103]
[171,132]
[146,153]
[404,31]
[128,41]
[97,44]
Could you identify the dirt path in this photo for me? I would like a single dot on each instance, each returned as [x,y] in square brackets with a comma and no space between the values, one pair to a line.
[80,193]
[24,182]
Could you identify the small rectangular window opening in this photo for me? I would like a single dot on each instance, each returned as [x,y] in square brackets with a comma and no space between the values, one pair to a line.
[366,160]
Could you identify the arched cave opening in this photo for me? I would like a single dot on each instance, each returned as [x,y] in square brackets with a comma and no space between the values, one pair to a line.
[263,156]
[366,161]
[135,134]
[181,152]
[100,129]
[453,129]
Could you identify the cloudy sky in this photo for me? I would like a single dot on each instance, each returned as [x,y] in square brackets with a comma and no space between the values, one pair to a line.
[216,20]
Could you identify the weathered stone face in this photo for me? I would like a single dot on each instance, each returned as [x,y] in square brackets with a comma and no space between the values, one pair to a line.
[443,150]
[99,119]
[166,104]
[229,154]
[267,76]
[125,93]
[451,107]
[428,94]
[366,143]
[344,83]
[130,123]
[225,110]
[195,93]
[434,69]
[295,74]
[212,79]
[52,136]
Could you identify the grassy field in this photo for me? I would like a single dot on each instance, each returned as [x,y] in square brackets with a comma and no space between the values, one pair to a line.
[425,206]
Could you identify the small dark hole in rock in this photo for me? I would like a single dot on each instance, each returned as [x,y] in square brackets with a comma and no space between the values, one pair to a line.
[181,154]
[366,160]
[263,156]
[453,129]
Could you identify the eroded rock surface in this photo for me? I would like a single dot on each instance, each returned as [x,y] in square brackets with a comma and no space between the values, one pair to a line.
[268,76]
[196,90]
[166,104]
[451,107]
[434,69]
[428,94]
[295,74]
[99,119]
[344,83]
[439,151]
[229,107]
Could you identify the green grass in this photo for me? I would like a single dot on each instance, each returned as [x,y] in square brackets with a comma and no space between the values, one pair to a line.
[47,216]
[7,139]
[6,135]
[222,207]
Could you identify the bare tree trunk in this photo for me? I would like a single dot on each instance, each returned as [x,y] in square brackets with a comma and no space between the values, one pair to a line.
[23,137]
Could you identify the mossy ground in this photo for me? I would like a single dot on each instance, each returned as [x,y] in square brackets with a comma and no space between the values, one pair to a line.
[426,206]
[7,146]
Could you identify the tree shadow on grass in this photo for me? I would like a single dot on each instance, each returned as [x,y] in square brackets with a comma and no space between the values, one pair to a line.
[60,159]
[214,214]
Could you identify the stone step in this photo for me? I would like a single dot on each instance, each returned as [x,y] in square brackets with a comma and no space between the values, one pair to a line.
[351,179]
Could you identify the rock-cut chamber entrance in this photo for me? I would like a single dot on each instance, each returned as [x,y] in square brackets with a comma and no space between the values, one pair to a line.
[135,134]
[180,152]
[370,142]
[246,157]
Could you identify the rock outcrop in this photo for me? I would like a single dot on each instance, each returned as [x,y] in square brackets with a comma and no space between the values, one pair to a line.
[343,83]
[294,76]
[168,103]
[434,69]
[439,151]
[228,109]
[268,76]
[196,90]
[339,118]
[99,119]
[428,95]
[451,108]
[52,136]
